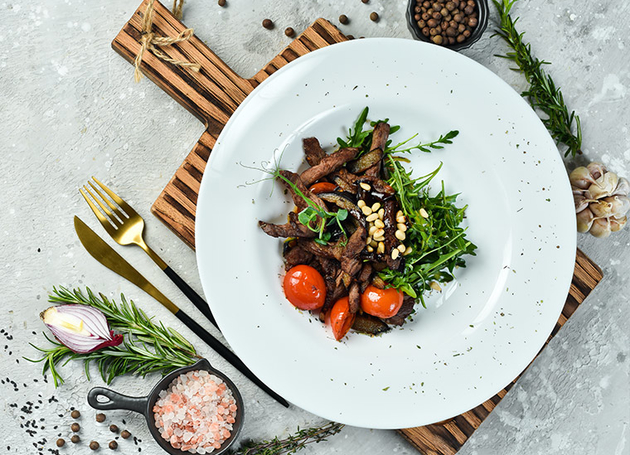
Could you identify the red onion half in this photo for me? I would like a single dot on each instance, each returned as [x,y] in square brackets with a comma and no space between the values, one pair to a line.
[80,328]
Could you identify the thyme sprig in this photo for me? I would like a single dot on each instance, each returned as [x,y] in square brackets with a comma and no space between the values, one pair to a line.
[291,444]
[542,93]
[148,346]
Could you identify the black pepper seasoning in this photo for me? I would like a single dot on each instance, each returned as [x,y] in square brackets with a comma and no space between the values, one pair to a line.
[113,428]
[289,32]
[113,445]
[125,434]
[268,24]
[343,19]
[75,427]
[374,16]
[221,2]
[94,445]
[75,414]
[100,417]
[75,438]
[61,442]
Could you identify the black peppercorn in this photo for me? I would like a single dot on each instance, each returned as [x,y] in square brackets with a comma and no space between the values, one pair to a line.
[343,19]
[113,428]
[75,427]
[289,32]
[75,438]
[365,1]
[100,417]
[268,24]
[374,16]
[221,2]
[113,445]
[125,434]
[94,445]
[60,442]
[75,414]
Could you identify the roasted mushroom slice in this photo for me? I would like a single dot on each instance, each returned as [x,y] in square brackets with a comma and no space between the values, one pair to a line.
[369,325]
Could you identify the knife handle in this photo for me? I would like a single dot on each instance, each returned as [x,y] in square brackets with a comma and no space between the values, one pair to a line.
[191,294]
[227,355]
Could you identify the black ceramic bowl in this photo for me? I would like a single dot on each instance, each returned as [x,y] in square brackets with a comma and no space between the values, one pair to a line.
[482,9]
[144,405]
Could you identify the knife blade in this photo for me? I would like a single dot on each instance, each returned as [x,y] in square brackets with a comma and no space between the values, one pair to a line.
[106,255]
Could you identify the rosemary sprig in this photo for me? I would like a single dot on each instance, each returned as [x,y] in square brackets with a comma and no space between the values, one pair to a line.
[148,346]
[290,444]
[542,93]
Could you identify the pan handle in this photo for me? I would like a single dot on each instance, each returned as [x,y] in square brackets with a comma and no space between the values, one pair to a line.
[116,400]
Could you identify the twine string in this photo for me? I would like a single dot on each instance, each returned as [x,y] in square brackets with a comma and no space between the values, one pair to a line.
[149,41]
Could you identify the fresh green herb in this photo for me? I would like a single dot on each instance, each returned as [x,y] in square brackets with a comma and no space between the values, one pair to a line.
[435,234]
[148,347]
[542,93]
[290,444]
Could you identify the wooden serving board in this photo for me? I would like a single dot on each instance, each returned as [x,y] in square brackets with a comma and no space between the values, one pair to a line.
[212,95]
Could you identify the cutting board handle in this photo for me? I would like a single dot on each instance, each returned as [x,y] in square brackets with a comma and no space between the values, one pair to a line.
[212,94]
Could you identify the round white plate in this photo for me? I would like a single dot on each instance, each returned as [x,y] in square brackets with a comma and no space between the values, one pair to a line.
[478,334]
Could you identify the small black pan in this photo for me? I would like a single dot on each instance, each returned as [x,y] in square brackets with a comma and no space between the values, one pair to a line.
[144,405]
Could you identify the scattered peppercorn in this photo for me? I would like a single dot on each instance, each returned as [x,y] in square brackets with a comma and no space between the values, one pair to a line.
[61,442]
[94,445]
[374,16]
[125,434]
[113,428]
[268,24]
[113,445]
[446,22]
[365,1]
[75,427]
[75,438]
[100,417]
[289,32]
[221,2]
[75,414]
[343,19]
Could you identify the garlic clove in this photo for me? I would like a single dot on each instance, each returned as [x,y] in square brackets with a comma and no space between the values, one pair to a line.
[600,228]
[585,220]
[580,202]
[581,178]
[604,186]
[601,209]
[619,205]
[623,188]
[616,224]
[596,170]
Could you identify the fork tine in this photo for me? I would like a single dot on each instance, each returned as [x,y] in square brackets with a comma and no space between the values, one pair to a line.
[121,215]
[126,207]
[104,221]
[117,222]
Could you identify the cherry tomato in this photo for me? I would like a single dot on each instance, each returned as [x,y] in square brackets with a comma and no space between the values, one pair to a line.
[304,287]
[340,318]
[382,303]
[322,187]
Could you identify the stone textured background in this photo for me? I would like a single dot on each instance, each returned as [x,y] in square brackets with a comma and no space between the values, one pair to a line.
[70,109]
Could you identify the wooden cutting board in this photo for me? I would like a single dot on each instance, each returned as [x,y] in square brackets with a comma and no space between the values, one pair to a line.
[212,95]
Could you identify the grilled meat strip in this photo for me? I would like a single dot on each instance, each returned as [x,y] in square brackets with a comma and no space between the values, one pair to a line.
[291,229]
[313,152]
[328,164]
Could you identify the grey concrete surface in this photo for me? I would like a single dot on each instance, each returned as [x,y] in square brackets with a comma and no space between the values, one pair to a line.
[70,109]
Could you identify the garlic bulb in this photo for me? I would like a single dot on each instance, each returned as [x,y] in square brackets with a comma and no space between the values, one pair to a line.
[601,199]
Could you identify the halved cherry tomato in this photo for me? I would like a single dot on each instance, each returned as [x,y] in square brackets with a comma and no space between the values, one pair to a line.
[382,303]
[304,287]
[322,187]
[340,318]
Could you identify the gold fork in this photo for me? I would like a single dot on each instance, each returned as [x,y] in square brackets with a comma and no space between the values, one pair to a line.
[126,227]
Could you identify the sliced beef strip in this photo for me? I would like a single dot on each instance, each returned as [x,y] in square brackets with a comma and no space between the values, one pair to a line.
[291,229]
[327,165]
[354,297]
[331,251]
[364,276]
[379,142]
[350,259]
[405,310]
[313,151]
[297,256]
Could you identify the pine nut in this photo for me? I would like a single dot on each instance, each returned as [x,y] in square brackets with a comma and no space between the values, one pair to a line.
[372,230]
[376,206]
[381,248]
[407,251]
[399,213]
[365,186]
[402,248]
[401,227]
[370,249]
[400,219]
[361,203]
[366,210]
[435,286]
[395,254]
[400,235]
[381,213]
[368,240]
[423,213]
[372,217]
[379,223]
[378,233]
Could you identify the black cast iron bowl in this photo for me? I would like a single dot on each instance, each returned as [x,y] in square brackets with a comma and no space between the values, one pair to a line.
[482,9]
[144,405]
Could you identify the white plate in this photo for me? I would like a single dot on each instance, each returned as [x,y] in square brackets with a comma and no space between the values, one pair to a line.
[476,336]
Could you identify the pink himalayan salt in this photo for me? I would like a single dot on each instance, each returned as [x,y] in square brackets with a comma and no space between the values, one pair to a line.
[196,412]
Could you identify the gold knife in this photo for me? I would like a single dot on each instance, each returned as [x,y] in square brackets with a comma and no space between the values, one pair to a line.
[106,255]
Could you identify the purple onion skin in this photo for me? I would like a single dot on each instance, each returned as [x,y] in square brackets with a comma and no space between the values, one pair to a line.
[94,322]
